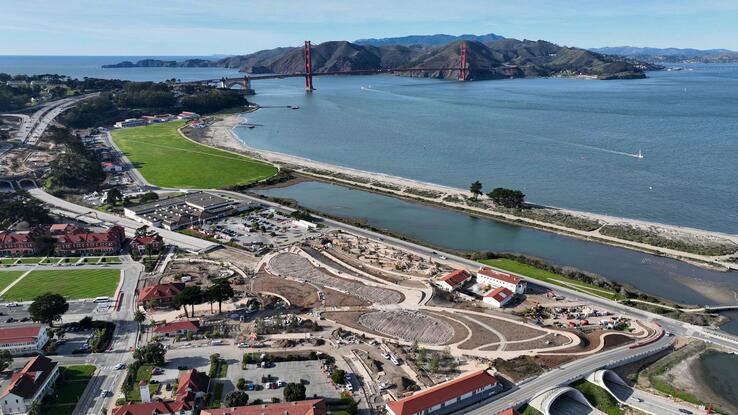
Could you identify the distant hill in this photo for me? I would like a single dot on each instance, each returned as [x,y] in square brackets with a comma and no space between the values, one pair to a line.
[672,55]
[493,59]
[426,40]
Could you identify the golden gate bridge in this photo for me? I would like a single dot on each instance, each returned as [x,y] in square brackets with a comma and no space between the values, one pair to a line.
[244,82]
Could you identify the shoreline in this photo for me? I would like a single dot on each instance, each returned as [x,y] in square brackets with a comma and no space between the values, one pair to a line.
[222,135]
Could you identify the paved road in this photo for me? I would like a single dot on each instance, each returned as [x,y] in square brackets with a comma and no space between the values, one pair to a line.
[124,340]
[648,402]
[34,127]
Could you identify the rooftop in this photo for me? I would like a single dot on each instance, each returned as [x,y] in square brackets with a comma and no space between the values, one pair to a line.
[26,382]
[455,278]
[499,275]
[13,335]
[160,291]
[500,294]
[177,325]
[171,407]
[311,407]
[441,393]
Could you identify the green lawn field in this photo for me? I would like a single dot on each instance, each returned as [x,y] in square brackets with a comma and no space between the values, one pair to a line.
[7,261]
[69,388]
[7,277]
[72,284]
[167,159]
[543,275]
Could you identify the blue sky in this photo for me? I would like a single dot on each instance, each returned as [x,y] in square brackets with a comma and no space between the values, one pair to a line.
[189,27]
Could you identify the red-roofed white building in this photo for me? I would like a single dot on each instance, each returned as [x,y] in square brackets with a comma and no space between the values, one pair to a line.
[453,280]
[498,297]
[178,328]
[495,278]
[448,397]
[28,385]
[23,340]
[309,407]
[159,295]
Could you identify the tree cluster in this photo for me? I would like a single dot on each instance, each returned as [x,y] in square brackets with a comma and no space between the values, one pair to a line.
[509,198]
[21,207]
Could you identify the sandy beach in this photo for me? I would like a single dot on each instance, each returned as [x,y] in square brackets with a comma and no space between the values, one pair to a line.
[221,134]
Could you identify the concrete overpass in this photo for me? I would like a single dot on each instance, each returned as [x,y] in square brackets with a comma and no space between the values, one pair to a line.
[563,400]
[634,398]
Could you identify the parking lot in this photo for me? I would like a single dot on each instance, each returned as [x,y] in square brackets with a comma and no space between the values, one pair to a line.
[18,315]
[308,372]
[261,227]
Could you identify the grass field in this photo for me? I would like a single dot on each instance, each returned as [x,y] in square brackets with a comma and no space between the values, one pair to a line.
[72,284]
[6,277]
[167,159]
[31,260]
[546,276]
[7,261]
[598,397]
[69,388]
[143,373]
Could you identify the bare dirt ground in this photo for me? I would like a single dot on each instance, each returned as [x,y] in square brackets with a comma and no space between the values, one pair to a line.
[335,298]
[349,319]
[510,330]
[298,294]
[297,267]
[539,343]
[480,336]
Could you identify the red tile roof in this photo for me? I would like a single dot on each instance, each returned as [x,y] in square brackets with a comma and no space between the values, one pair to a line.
[442,393]
[500,294]
[10,237]
[311,407]
[498,275]
[160,291]
[509,411]
[191,382]
[163,408]
[26,382]
[176,326]
[13,335]
[455,278]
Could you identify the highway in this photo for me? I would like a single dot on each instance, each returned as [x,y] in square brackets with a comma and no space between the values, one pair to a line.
[34,126]
[648,402]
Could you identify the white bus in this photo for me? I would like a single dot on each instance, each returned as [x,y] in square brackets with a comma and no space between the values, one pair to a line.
[102,300]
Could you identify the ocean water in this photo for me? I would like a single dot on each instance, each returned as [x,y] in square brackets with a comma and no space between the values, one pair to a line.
[564,142]
[91,67]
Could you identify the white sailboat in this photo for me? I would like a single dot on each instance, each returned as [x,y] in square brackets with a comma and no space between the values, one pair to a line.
[638,155]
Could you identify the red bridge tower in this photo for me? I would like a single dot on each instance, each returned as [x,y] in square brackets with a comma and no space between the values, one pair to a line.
[462,63]
[308,68]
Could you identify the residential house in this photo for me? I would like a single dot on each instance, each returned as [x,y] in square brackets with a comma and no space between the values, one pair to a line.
[498,297]
[110,167]
[148,243]
[495,278]
[192,385]
[159,295]
[453,280]
[23,340]
[448,397]
[30,384]
[309,407]
[178,328]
